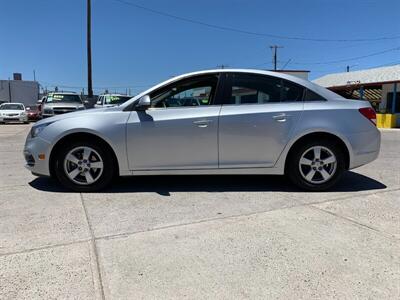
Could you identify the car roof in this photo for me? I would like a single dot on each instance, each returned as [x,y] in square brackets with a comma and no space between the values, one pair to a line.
[306,83]
[63,93]
[122,95]
[12,103]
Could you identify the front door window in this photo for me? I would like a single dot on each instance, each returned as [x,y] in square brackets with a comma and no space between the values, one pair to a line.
[187,93]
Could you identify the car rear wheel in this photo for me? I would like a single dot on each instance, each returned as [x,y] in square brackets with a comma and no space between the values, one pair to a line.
[84,167]
[316,165]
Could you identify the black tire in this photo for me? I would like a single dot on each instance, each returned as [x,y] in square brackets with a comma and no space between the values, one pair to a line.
[104,179]
[293,169]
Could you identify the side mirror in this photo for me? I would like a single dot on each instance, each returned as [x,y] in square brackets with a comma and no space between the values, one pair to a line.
[144,103]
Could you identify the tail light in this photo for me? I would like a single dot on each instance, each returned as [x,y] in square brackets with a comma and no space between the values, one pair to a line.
[369,113]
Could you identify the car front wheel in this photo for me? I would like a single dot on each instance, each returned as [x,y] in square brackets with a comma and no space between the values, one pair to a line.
[84,167]
[316,166]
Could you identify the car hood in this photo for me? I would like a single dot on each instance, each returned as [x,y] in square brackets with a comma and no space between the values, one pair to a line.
[64,104]
[11,111]
[74,114]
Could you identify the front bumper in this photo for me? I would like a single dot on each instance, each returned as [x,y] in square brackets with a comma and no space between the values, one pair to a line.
[14,119]
[37,155]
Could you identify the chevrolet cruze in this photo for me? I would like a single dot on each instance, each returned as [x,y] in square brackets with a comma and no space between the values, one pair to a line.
[210,122]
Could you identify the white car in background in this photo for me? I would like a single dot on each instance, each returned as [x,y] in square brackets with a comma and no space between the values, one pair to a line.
[13,112]
[109,100]
[60,103]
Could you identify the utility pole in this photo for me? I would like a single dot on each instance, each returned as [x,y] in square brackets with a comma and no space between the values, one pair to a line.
[89,49]
[274,48]
[222,66]
[9,89]
[34,75]
[348,67]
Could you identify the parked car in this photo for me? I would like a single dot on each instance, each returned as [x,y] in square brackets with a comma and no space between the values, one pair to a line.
[238,122]
[109,100]
[39,104]
[33,112]
[60,103]
[13,112]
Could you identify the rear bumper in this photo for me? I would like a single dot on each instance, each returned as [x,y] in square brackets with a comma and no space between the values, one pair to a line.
[365,147]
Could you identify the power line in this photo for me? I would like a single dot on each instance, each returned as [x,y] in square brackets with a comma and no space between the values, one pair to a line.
[349,59]
[339,60]
[237,30]
[72,86]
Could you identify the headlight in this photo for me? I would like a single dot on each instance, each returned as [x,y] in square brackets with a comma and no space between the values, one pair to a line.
[23,114]
[36,130]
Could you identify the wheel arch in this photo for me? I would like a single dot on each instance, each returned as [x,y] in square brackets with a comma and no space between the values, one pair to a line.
[344,146]
[75,136]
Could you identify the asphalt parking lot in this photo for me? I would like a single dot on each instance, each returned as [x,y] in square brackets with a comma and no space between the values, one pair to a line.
[223,237]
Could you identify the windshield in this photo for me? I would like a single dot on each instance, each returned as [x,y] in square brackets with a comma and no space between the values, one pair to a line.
[12,106]
[116,99]
[52,98]
[31,107]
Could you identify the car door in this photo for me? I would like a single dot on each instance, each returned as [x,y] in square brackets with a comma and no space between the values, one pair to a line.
[99,102]
[179,130]
[256,120]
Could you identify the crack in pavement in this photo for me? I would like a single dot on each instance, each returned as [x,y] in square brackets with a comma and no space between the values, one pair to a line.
[123,235]
[357,223]
[311,205]
[44,247]
[94,247]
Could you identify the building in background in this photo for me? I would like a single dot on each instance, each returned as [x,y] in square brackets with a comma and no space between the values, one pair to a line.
[18,90]
[303,74]
[380,86]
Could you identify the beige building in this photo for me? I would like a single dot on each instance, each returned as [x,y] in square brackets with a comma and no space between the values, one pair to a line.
[381,86]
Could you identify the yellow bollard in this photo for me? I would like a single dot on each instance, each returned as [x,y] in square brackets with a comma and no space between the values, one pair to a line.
[385,120]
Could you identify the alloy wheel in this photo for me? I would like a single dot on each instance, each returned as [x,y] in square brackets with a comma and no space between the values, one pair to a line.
[83,165]
[317,164]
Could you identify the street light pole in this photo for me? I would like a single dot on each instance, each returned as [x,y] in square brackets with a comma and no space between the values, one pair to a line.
[89,50]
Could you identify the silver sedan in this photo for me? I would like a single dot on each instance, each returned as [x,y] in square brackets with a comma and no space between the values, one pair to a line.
[210,122]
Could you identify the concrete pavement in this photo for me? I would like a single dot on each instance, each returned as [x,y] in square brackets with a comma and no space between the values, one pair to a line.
[200,237]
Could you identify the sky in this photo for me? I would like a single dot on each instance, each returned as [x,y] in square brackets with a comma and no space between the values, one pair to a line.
[135,47]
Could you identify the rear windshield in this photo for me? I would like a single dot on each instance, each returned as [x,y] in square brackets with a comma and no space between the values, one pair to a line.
[12,106]
[52,98]
[116,99]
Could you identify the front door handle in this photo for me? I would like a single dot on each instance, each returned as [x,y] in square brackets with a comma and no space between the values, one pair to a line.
[281,117]
[202,123]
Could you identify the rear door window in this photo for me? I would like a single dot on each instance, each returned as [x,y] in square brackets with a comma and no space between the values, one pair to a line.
[260,89]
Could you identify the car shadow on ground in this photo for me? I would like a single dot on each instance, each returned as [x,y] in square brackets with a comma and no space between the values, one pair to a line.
[163,185]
